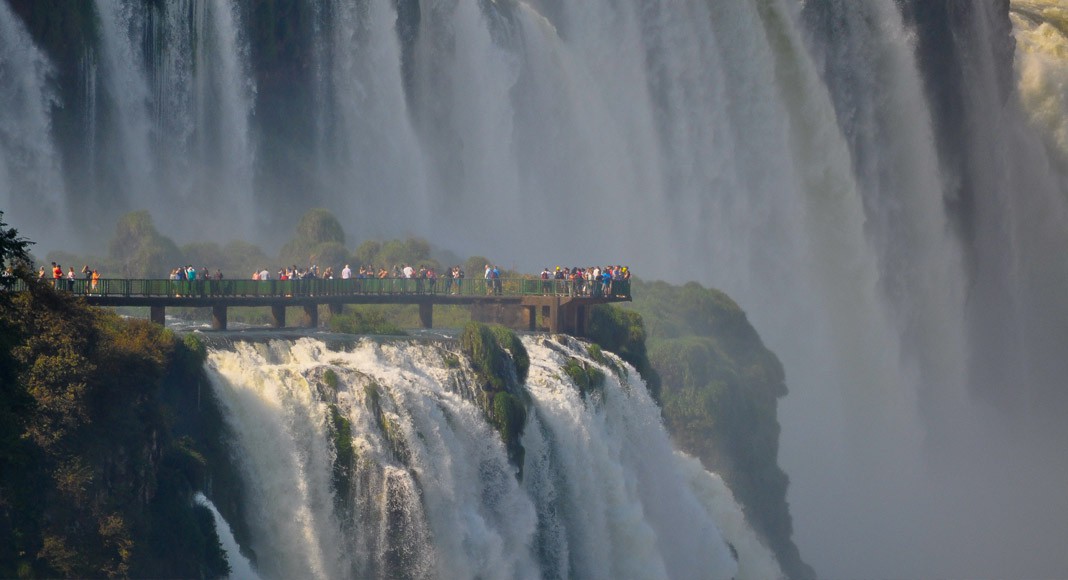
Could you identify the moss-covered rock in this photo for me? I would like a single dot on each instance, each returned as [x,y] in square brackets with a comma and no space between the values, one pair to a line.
[97,481]
[622,331]
[344,466]
[387,424]
[500,363]
[720,394]
[509,417]
[588,378]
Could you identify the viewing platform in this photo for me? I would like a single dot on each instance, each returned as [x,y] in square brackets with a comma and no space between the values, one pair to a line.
[565,307]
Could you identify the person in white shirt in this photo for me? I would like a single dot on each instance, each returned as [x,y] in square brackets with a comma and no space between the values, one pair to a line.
[346,272]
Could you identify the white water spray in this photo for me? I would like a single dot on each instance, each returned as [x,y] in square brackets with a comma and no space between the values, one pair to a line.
[31,190]
[602,493]
[240,567]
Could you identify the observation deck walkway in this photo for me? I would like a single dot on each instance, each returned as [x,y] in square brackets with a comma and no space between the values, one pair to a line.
[564,307]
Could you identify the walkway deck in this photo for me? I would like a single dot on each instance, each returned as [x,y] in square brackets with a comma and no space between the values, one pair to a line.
[564,307]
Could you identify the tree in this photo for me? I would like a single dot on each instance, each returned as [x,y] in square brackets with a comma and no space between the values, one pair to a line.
[139,250]
[14,252]
[317,228]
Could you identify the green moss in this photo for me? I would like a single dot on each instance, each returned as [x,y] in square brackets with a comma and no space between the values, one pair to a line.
[719,397]
[588,378]
[622,331]
[451,361]
[501,363]
[488,359]
[509,417]
[508,340]
[364,322]
[597,354]
[388,426]
[344,456]
[394,435]
[330,378]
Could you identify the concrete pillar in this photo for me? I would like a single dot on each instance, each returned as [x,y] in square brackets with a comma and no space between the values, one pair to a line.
[218,317]
[311,316]
[426,314]
[278,316]
[554,315]
[158,315]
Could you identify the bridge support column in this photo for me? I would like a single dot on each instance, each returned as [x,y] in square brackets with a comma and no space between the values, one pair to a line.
[554,315]
[579,319]
[426,314]
[532,317]
[278,316]
[158,315]
[218,317]
[311,316]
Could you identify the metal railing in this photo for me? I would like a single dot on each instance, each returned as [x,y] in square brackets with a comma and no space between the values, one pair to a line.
[161,288]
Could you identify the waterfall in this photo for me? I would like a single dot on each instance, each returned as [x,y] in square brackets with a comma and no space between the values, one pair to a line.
[891,217]
[30,185]
[602,494]
[240,567]
[178,106]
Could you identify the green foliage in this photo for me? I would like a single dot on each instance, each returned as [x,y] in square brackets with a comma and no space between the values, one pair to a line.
[203,254]
[490,361]
[719,397]
[622,331]
[241,259]
[138,250]
[508,339]
[509,417]
[498,372]
[317,231]
[364,321]
[367,253]
[344,468]
[412,250]
[14,252]
[588,378]
[93,483]
[386,424]
[330,254]
[450,360]
[475,266]
[330,378]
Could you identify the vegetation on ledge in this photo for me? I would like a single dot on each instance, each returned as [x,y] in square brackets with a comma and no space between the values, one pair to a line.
[500,362]
[719,394]
[93,481]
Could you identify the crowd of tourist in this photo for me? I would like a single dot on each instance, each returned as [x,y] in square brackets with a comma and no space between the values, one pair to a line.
[594,281]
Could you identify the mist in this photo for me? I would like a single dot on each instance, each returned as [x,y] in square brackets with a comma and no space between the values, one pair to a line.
[864,177]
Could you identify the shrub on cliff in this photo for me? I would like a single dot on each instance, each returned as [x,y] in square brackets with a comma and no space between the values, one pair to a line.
[92,481]
[720,394]
[500,362]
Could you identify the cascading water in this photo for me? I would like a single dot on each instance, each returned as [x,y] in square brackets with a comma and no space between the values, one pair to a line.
[173,131]
[29,166]
[240,567]
[432,492]
[793,154]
